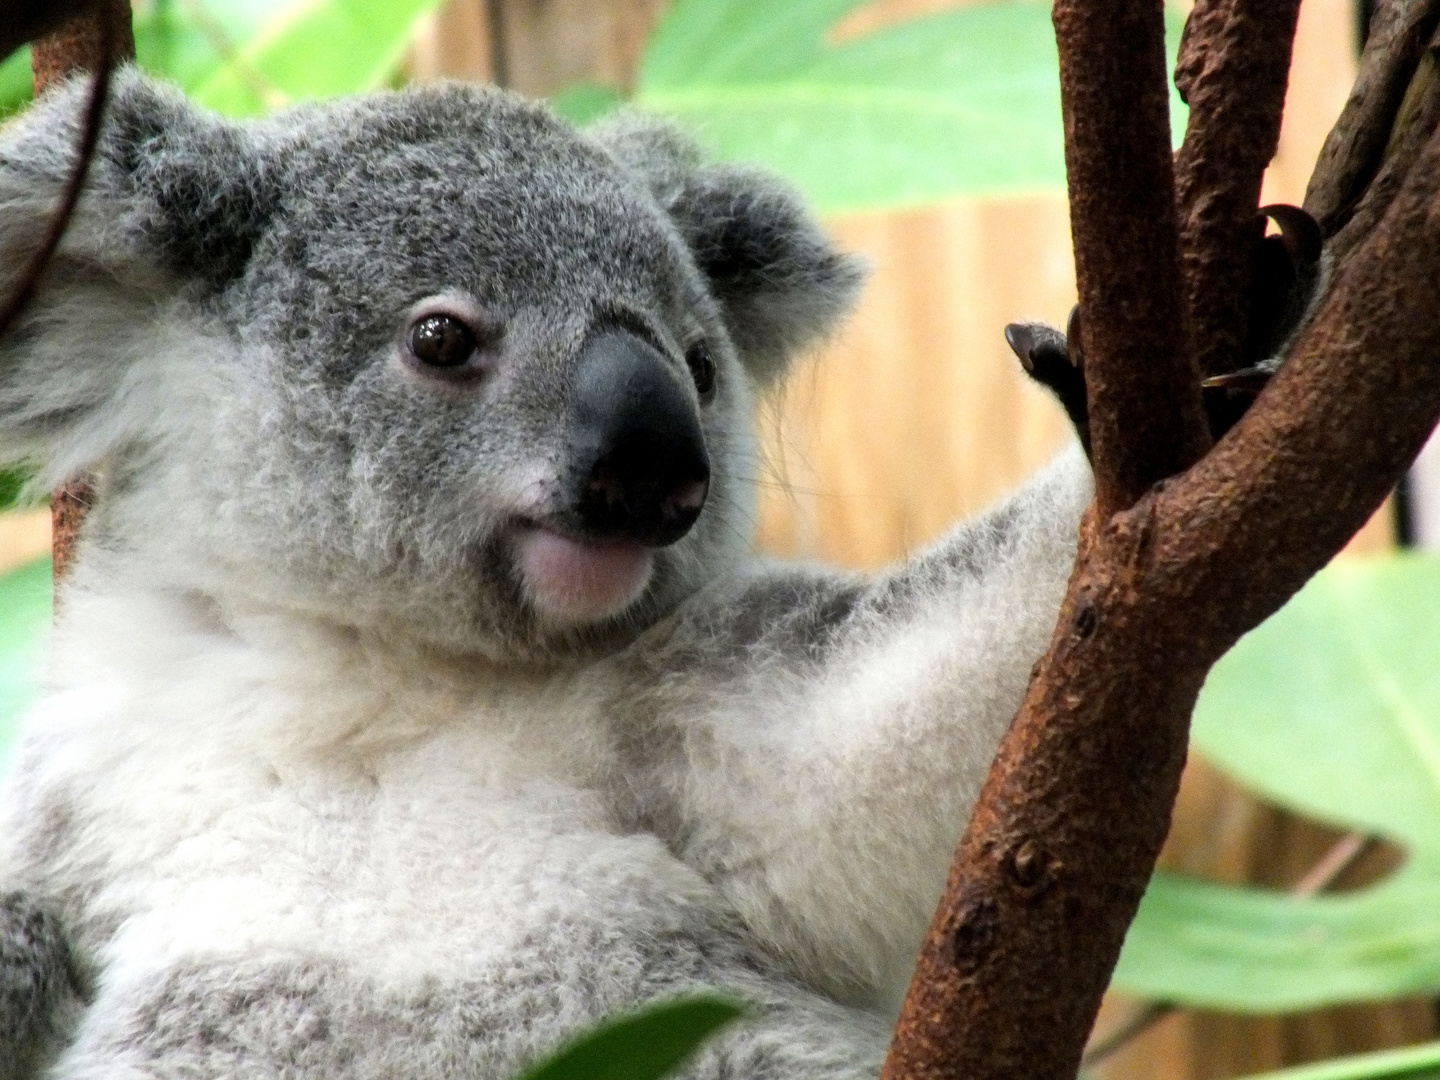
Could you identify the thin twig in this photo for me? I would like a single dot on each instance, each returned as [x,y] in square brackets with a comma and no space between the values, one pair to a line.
[1348,850]
[1150,1014]
[1345,853]
[30,277]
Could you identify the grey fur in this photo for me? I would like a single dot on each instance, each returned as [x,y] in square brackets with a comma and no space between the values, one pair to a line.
[316,788]
[40,988]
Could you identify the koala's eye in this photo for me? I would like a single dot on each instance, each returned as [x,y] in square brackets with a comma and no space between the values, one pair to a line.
[702,369]
[442,341]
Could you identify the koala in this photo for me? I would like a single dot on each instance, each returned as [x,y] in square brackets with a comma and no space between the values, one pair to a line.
[417,699]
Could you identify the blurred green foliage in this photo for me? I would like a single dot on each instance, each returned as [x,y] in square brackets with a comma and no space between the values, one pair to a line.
[247,56]
[1331,708]
[24,617]
[963,102]
[12,486]
[1410,1063]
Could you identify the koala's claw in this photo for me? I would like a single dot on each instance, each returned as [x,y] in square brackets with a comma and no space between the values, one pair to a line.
[1250,380]
[1300,233]
[1055,361]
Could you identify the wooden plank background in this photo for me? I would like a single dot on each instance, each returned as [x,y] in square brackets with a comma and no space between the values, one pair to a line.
[917,414]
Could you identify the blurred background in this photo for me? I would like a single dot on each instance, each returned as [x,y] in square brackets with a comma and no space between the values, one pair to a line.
[928,131]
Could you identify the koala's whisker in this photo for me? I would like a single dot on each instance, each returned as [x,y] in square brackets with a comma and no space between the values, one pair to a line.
[724,508]
[783,486]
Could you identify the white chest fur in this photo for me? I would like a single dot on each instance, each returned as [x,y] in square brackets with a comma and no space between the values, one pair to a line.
[230,795]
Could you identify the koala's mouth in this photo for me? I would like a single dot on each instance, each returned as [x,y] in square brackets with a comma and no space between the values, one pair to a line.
[571,582]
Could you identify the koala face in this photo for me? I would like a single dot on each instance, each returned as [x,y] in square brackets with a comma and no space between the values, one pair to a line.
[431,362]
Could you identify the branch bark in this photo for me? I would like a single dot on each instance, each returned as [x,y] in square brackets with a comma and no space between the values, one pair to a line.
[1146,420]
[1409,130]
[93,41]
[1399,30]
[1073,814]
[27,20]
[101,35]
[1229,140]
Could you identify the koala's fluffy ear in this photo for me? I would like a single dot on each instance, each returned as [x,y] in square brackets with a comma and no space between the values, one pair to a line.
[173,203]
[781,282]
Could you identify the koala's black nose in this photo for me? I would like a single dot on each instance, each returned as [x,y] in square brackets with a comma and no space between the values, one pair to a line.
[638,466]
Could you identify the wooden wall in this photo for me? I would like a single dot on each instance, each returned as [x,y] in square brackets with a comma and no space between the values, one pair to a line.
[917,414]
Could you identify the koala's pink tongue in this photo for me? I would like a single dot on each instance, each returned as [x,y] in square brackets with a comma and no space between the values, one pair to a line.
[572,582]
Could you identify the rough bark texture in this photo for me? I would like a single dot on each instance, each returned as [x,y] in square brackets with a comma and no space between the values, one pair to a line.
[80,44]
[1413,124]
[1399,30]
[1073,814]
[1146,420]
[67,512]
[1228,142]
[102,36]
[26,20]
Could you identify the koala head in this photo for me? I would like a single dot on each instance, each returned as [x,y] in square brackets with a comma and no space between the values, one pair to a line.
[430,362]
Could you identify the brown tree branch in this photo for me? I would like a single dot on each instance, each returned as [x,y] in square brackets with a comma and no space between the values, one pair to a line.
[95,41]
[101,36]
[1072,817]
[1070,821]
[1408,129]
[1237,65]
[26,20]
[1146,421]
[1399,30]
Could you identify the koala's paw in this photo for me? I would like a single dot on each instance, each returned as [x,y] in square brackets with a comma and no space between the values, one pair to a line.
[39,986]
[1286,274]
[1057,362]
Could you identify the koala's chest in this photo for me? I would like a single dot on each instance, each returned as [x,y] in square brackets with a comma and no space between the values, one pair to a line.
[441,857]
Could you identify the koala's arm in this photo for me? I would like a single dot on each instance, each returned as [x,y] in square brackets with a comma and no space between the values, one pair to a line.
[40,993]
[818,740]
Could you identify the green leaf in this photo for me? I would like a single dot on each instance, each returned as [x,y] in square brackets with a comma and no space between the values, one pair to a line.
[739,41]
[1331,708]
[311,49]
[961,102]
[24,618]
[584,103]
[16,82]
[12,484]
[1412,1062]
[645,1045]
[248,56]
